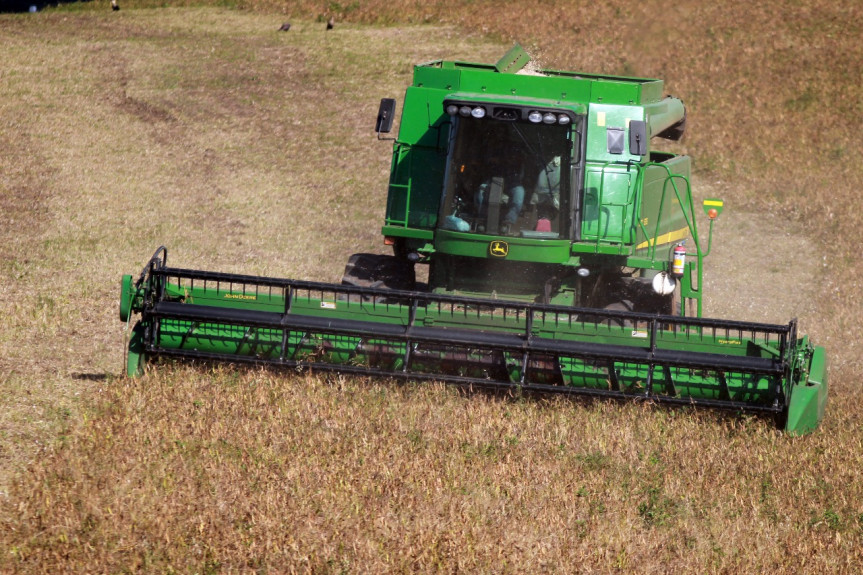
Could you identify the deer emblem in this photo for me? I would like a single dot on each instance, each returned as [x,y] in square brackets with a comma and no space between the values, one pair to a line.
[498,249]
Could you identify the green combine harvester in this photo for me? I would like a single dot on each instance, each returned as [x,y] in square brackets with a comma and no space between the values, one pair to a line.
[561,254]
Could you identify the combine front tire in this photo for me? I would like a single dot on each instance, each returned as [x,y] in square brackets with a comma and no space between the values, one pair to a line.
[379,271]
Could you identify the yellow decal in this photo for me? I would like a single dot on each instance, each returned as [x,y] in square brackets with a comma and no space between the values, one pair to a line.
[600,118]
[328,305]
[498,249]
[674,236]
[728,341]
[636,333]
[240,296]
[714,203]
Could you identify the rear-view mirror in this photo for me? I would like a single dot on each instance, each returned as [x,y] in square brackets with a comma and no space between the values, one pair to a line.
[637,138]
[386,113]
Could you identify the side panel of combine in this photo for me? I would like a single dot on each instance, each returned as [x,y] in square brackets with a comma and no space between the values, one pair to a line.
[611,175]
[415,184]
[419,160]
[608,204]
[608,133]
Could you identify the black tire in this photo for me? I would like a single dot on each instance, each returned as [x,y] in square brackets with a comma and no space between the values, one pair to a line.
[400,248]
[622,305]
[380,272]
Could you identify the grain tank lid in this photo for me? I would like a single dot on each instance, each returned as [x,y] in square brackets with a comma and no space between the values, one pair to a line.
[513,61]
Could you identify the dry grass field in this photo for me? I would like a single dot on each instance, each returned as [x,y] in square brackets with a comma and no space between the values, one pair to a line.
[201,127]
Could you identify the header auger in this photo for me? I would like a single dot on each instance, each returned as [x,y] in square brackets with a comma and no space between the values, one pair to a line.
[563,256]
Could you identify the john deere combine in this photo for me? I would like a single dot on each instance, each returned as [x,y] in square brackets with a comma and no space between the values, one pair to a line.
[562,256]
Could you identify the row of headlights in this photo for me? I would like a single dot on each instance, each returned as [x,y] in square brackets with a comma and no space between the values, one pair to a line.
[476,112]
[548,118]
[535,116]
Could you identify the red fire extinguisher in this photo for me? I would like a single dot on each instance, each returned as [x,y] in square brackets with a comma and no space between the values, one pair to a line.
[678,262]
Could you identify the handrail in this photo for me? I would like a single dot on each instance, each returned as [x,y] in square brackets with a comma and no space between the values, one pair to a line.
[400,151]
[690,222]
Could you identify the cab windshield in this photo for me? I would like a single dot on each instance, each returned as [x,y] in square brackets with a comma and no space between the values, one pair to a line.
[508,178]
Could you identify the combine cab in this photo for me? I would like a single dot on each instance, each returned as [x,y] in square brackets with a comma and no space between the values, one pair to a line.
[562,256]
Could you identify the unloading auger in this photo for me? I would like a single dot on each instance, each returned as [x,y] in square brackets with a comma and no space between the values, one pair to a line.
[563,256]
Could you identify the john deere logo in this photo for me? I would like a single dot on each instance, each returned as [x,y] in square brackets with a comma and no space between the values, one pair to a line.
[498,249]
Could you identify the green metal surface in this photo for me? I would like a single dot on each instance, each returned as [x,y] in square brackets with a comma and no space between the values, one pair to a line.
[513,61]
[517,249]
[136,356]
[809,393]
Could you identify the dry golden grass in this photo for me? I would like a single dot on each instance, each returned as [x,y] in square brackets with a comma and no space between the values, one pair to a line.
[191,470]
[199,128]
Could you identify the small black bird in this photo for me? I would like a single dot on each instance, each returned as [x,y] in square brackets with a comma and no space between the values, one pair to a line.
[285,27]
[114,5]
[331,22]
